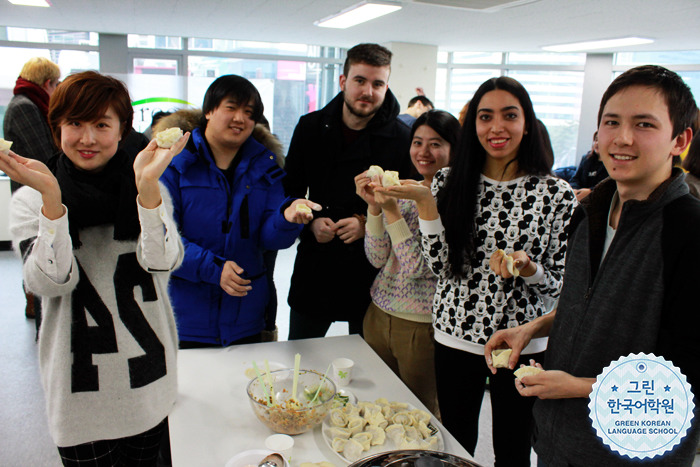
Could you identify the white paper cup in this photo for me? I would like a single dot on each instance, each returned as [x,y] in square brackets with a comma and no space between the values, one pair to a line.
[282,444]
[342,371]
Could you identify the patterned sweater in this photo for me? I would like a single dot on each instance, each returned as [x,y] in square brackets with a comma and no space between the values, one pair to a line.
[108,342]
[528,213]
[405,286]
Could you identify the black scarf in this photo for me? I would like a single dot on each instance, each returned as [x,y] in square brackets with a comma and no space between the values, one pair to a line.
[99,198]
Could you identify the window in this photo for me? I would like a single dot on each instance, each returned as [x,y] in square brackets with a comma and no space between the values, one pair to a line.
[51,36]
[140,41]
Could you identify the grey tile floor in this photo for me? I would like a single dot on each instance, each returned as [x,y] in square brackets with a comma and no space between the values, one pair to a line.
[24,437]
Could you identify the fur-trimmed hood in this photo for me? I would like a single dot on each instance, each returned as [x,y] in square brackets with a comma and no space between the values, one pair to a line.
[188,120]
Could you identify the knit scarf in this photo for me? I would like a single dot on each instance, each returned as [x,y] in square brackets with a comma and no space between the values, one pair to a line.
[99,198]
[35,94]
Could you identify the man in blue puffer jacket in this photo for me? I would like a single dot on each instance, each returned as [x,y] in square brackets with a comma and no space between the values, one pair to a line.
[230,206]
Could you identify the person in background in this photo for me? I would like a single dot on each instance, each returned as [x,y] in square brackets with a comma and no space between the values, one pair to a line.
[26,124]
[631,279]
[498,196]
[417,106]
[230,206]
[98,242]
[691,163]
[398,324]
[590,172]
[358,128]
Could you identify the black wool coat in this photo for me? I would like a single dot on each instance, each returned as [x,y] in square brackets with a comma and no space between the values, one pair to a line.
[333,279]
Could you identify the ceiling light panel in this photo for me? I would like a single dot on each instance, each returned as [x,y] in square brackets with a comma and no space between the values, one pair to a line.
[40,3]
[356,14]
[601,44]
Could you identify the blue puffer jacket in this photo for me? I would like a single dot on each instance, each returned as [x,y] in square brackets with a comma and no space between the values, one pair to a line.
[219,223]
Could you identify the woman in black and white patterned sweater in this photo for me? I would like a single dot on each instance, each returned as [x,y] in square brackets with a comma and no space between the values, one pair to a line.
[498,196]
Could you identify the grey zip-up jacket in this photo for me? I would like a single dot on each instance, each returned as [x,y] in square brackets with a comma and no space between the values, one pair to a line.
[643,297]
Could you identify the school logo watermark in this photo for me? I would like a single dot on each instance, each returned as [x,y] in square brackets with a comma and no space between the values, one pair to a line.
[641,406]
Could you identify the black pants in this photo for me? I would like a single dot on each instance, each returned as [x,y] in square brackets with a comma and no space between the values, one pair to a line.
[138,451]
[306,327]
[461,379]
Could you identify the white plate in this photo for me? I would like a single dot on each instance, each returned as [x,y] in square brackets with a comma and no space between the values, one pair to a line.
[388,444]
[351,397]
[251,457]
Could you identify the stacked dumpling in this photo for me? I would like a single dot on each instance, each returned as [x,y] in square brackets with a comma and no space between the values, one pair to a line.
[354,429]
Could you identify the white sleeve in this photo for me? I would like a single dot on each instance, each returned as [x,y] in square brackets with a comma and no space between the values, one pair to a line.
[159,244]
[53,249]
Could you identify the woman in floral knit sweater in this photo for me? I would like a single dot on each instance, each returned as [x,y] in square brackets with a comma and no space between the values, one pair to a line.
[397,324]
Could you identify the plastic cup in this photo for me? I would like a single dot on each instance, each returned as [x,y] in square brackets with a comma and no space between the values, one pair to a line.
[342,371]
[281,444]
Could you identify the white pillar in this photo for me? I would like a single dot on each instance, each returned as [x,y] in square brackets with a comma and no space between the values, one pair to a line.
[412,66]
[598,74]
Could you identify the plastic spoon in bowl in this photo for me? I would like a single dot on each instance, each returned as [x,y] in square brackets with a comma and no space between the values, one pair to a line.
[269,381]
[262,384]
[320,385]
[295,381]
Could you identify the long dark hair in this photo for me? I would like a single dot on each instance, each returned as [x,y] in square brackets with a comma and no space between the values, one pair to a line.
[457,200]
[443,123]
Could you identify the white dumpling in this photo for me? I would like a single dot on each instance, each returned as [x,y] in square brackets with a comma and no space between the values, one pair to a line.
[433,443]
[500,357]
[395,433]
[421,415]
[425,432]
[375,171]
[378,435]
[338,444]
[527,371]
[398,406]
[5,145]
[410,444]
[391,178]
[168,137]
[403,418]
[352,450]
[412,433]
[338,418]
[337,432]
[382,401]
[356,424]
[364,439]
[377,420]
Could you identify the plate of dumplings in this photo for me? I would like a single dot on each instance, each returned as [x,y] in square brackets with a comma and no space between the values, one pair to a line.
[366,428]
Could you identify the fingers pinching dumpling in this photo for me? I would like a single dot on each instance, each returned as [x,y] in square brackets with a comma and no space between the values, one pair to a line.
[527,371]
[168,137]
[5,145]
[500,357]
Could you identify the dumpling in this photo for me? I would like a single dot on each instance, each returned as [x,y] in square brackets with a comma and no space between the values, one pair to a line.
[375,171]
[397,406]
[403,418]
[527,371]
[378,435]
[352,450]
[382,401]
[500,357]
[412,433]
[510,266]
[338,418]
[410,444]
[424,430]
[337,432]
[421,416]
[377,420]
[5,145]
[356,424]
[364,439]
[395,433]
[338,444]
[432,443]
[168,137]
[303,208]
[391,178]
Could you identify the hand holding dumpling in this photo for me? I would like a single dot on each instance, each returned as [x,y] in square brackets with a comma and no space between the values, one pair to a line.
[299,212]
[512,265]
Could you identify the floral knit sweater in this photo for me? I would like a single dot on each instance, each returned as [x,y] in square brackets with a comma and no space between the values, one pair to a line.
[405,285]
[528,213]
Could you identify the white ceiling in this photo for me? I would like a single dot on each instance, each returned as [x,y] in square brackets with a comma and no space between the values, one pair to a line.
[674,24]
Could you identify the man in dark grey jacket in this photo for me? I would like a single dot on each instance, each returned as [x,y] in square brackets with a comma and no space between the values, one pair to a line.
[630,281]
[358,128]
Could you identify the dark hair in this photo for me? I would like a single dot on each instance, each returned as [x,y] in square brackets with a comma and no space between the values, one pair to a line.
[443,123]
[691,163]
[236,88]
[85,97]
[423,100]
[370,54]
[457,200]
[678,96]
